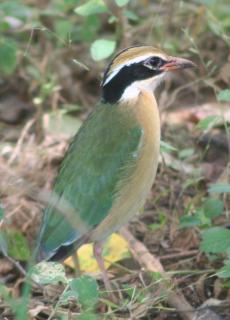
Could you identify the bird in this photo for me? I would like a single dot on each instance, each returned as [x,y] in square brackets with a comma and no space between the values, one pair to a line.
[111,163]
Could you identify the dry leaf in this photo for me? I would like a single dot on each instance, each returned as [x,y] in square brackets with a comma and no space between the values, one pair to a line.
[115,249]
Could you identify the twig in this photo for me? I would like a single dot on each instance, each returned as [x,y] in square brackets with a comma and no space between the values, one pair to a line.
[151,263]
[20,141]
[178,255]
[15,263]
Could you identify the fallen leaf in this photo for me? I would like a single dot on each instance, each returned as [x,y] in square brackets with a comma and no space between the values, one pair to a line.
[115,248]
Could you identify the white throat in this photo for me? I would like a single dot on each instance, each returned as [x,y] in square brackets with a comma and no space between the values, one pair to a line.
[132,91]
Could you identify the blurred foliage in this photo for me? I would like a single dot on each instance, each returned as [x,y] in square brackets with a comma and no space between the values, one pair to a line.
[47,45]
[17,245]
[70,22]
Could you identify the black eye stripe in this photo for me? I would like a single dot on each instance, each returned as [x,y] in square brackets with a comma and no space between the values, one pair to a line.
[113,89]
[154,62]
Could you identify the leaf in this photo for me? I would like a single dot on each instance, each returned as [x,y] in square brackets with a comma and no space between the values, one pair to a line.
[213,208]
[208,122]
[63,28]
[48,273]
[86,290]
[202,217]
[224,272]
[89,29]
[17,245]
[189,221]
[215,240]
[219,188]
[112,19]
[224,95]
[102,49]
[162,222]
[197,219]
[121,3]
[8,60]
[15,9]
[131,15]
[61,122]
[66,296]
[91,7]
[186,153]
[166,147]
[115,249]
[18,306]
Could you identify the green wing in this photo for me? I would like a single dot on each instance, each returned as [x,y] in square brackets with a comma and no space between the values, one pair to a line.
[100,155]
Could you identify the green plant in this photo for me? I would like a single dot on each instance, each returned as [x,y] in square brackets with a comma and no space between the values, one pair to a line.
[215,239]
[83,290]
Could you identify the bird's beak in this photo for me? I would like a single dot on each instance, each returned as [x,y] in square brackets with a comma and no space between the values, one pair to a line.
[175,63]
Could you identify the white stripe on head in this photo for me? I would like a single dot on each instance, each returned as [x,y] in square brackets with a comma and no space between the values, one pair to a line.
[128,63]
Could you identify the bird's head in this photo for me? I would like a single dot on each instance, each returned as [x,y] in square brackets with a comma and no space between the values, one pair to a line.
[135,69]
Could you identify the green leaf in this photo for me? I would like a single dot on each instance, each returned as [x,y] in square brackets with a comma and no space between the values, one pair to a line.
[112,19]
[102,49]
[86,289]
[66,296]
[197,219]
[63,28]
[224,272]
[91,7]
[226,284]
[208,122]
[224,95]
[8,59]
[17,245]
[48,273]
[131,15]
[18,306]
[215,240]
[121,3]
[166,147]
[219,188]
[189,221]
[213,208]
[186,153]
[162,222]
[89,28]
[15,9]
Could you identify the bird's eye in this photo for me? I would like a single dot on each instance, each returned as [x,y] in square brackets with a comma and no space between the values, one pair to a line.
[154,63]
